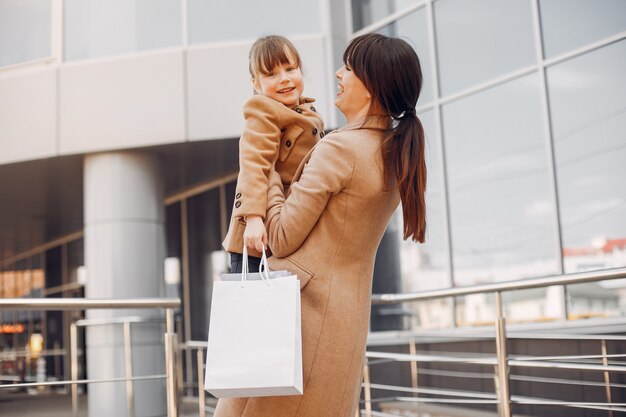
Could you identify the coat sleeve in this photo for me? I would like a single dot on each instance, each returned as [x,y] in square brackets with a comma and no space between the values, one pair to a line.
[290,219]
[258,150]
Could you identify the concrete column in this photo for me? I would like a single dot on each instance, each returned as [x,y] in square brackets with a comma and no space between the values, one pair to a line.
[124,257]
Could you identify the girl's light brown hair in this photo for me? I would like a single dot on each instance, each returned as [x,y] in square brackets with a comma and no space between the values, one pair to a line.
[268,52]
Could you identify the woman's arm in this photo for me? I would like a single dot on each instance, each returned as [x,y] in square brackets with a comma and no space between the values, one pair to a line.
[290,220]
[258,150]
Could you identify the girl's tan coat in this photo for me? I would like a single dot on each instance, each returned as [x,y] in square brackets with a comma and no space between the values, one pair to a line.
[273,133]
[327,232]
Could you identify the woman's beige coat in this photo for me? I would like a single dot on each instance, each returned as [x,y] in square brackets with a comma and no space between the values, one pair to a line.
[327,231]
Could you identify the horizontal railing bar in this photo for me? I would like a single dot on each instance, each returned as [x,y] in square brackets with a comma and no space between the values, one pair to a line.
[81,381]
[434,391]
[568,403]
[194,344]
[570,279]
[404,357]
[427,400]
[484,375]
[445,400]
[84,303]
[550,358]
[565,336]
[374,413]
[468,333]
[116,320]
[545,380]
[565,365]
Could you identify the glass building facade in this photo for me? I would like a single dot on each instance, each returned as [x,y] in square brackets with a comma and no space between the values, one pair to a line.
[523,105]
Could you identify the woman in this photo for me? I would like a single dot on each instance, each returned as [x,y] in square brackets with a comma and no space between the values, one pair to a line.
[328,228]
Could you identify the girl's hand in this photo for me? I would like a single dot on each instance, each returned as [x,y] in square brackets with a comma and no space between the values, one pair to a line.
[255,235]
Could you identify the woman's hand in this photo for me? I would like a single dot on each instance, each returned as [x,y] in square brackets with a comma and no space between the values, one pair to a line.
[255,235]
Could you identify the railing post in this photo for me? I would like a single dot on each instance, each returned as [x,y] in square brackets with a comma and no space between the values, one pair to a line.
[504,397]
[201,400]
[128,365]
[607,378]
[180,383]
[170,369]
[74,367]
[368,389]
[414,377]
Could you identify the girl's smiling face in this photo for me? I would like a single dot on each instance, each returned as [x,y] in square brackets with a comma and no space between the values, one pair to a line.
[283,83]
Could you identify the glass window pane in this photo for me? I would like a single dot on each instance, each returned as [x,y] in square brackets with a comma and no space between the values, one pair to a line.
[99,28]
[24,30]
[481,39]
[211,21]
[204,229]
[568,24]
[588,106]
[413,28]
[366,12]
[501,205]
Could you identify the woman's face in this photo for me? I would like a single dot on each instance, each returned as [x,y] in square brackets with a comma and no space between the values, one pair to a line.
[352,99]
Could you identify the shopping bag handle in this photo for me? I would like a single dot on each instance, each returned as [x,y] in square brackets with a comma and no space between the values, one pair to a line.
[264,268]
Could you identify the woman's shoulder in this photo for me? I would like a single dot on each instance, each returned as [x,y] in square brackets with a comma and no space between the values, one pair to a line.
[355,137]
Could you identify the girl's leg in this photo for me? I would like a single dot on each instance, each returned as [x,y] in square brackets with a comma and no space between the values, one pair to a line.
[236,263]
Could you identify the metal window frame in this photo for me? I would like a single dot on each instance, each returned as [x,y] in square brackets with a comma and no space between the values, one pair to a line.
[540,67]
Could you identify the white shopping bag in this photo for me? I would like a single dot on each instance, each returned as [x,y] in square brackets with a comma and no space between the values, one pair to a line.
[255,340]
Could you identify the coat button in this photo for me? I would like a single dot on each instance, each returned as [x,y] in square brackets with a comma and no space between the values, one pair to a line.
[313,109]
[314,131]
[238,204]
[288,143]
[322,134]
[238,196]
[298,110]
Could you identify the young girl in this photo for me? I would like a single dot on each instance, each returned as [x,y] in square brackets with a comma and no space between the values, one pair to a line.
[280,128]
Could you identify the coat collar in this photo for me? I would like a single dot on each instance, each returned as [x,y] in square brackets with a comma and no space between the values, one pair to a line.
[374,122]
[303,100]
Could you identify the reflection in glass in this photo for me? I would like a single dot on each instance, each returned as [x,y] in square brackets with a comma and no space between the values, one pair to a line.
[569,24]
[499,185]
[481,39]
[366,12]
[100,28]
[212,21]
[24,30]
[203,214]
[588,106]
[413,28]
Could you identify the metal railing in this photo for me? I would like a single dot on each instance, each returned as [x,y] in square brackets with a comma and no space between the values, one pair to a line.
[170,341]
[502,361]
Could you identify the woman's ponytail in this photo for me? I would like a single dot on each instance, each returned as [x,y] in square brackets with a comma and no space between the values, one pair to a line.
[405,168]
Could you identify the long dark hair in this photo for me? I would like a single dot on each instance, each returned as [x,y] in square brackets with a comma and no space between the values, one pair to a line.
[391,72]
